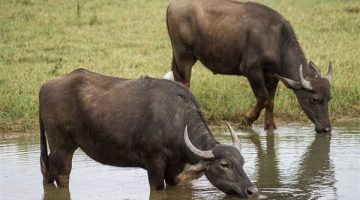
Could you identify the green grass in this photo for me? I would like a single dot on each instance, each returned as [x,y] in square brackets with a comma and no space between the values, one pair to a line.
[42,39]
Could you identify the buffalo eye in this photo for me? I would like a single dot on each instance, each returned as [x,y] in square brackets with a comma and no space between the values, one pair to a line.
[315,100]
[225,164]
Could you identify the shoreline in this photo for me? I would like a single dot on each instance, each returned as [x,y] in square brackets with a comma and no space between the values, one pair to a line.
[219,125]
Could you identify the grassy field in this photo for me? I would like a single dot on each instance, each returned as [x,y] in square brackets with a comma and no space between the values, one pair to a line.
[42,39]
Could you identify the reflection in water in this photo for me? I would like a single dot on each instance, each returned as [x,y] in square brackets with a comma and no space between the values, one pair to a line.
[292,163]
[172,192]
[51,193]
[317,169]
[157,195]
[268,172]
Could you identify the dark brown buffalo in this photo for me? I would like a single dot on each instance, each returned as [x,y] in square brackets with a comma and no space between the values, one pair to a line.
[148,123]
[251,40]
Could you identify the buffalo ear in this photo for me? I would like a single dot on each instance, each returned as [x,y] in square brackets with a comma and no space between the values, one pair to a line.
[191,172]
[289,83]
[315,68]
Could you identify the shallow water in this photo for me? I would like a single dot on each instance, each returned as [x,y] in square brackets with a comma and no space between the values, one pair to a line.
[292,163]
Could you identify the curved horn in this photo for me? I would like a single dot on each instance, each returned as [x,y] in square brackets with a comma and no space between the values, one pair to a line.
[305,83]
[329,73]
[204,154]
[235,139]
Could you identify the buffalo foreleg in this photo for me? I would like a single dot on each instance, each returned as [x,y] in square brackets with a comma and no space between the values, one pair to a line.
[257,83]
[269,123]
[171,173]
[155,167]
[254,113]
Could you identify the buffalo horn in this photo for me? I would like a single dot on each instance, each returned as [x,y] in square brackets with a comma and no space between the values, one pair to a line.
[305,83]
[235,139]
[203,154]
[329,73]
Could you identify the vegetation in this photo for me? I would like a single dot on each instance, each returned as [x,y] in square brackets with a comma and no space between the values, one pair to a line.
[42,39]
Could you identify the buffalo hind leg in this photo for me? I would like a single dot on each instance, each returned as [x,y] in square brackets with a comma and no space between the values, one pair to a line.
[181,66]
[257,83]
[60,163]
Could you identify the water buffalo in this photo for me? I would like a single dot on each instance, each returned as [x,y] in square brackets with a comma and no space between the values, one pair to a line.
[149,123]
[251,40]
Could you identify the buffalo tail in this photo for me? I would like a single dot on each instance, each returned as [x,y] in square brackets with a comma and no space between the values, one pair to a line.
[44,158]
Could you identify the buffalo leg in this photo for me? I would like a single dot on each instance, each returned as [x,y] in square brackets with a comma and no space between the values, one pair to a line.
[171,172]
[181,66]
[257,83]
[269,116]
[156,170]
[254,113]
[62,149]
[60,163]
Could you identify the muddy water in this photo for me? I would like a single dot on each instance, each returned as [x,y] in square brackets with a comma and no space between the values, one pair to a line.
[292,163]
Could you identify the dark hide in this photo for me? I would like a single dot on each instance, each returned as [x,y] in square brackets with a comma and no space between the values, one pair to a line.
[245,39]
[127,123]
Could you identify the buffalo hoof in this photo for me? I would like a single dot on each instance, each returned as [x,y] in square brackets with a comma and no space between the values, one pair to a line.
[322,130]
[245,123]
[62,181]
[269,127]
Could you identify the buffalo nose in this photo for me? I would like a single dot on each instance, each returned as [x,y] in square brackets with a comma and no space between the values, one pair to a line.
[252,190]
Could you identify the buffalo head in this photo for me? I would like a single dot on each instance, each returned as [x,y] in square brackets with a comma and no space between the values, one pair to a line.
[313,96]
[223,166]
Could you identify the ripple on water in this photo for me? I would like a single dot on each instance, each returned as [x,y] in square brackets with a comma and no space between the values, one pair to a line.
[291,163]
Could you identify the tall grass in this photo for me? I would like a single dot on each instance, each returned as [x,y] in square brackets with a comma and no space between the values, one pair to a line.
[42,39]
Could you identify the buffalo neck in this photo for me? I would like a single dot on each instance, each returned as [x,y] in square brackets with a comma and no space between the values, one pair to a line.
[292,57]
[199,134]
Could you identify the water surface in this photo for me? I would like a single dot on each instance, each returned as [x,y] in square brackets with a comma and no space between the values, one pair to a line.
[291,163]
